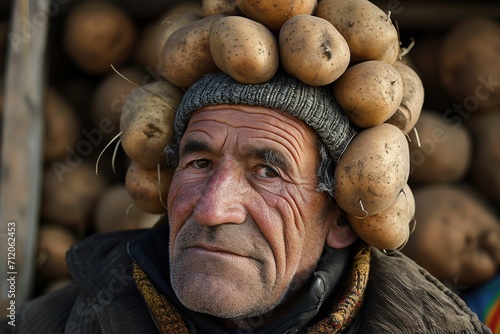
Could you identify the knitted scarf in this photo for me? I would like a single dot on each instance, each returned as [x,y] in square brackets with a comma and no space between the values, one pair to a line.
[342,313]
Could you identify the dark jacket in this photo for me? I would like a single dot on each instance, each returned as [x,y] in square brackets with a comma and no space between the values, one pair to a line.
[400,297]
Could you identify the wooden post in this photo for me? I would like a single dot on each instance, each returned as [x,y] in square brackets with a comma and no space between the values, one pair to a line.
[22,151]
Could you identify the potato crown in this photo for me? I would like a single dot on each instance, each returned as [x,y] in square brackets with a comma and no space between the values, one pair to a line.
[246,61]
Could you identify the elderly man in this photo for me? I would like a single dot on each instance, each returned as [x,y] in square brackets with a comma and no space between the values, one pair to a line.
[253,241]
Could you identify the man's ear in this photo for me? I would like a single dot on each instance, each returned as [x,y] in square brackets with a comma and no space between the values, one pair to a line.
[340,234]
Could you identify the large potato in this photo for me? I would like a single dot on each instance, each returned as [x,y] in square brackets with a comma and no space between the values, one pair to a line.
[147,122]
[186,56]
[369,92]
[99,34]
[312,50]
[485,165]
[372,171]
[390,228]
[273,14]
[147,187]
[457,236]
[443,153]
[155,35]
[244,49]
[469,63]
[367,29]
[408,112]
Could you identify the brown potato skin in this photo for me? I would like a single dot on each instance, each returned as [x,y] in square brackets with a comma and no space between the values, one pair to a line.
[373,169]
[408,112]
[244,49]
[389,229]
[273,14]
[62,125]
[366,28]
[312,50]
[186,56]
[99,34]
[147,122]
[369,92]
[225,7]
[469,65]
[144,188]
[445,151]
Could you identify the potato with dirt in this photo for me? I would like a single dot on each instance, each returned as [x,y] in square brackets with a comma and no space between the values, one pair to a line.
[369,92]
[148,187]
[147,122]
[372,171]
[368,30]
[273,14]
[312,50]
[390,228]
[186,56]
[244,49]
[408,112]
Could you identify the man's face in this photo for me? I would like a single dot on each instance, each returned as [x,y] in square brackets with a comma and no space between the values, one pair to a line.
[247,224]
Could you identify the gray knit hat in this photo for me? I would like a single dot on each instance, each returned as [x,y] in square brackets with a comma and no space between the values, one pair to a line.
[313,105]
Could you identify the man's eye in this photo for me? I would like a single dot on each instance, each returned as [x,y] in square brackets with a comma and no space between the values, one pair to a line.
[200,164]
[267,171]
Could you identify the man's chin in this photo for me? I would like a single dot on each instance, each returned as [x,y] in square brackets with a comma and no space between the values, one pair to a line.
[220,297]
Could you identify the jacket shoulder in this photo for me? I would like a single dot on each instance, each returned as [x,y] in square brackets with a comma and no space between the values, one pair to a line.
[401,295]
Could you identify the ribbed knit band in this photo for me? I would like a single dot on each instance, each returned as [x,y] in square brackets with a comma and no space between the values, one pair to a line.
[313,105]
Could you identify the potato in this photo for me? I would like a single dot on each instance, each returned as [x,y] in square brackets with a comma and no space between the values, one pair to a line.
[390,228]
[53,243]
[312,50]
[155,35]
[470,65]
[372,171]
[145,188]
[111,92]
[456,235]
[147,122]
[115,211]
[186,56]
[225,7]
[244,49]
[98,34]
[369,92]
[273,14]
[444,154]
[69,199]
[369,31]
[485,165]
[62,125]
[408,112]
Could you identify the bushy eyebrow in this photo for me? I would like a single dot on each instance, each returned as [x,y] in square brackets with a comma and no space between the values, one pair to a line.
[194,146]
[272,157]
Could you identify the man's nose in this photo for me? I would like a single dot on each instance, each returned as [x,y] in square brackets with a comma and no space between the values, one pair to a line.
[222,199]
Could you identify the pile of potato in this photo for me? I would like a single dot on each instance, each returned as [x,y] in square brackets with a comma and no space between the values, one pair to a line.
[118,69]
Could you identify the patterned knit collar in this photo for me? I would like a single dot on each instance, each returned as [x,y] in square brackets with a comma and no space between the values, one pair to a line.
[152,278]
